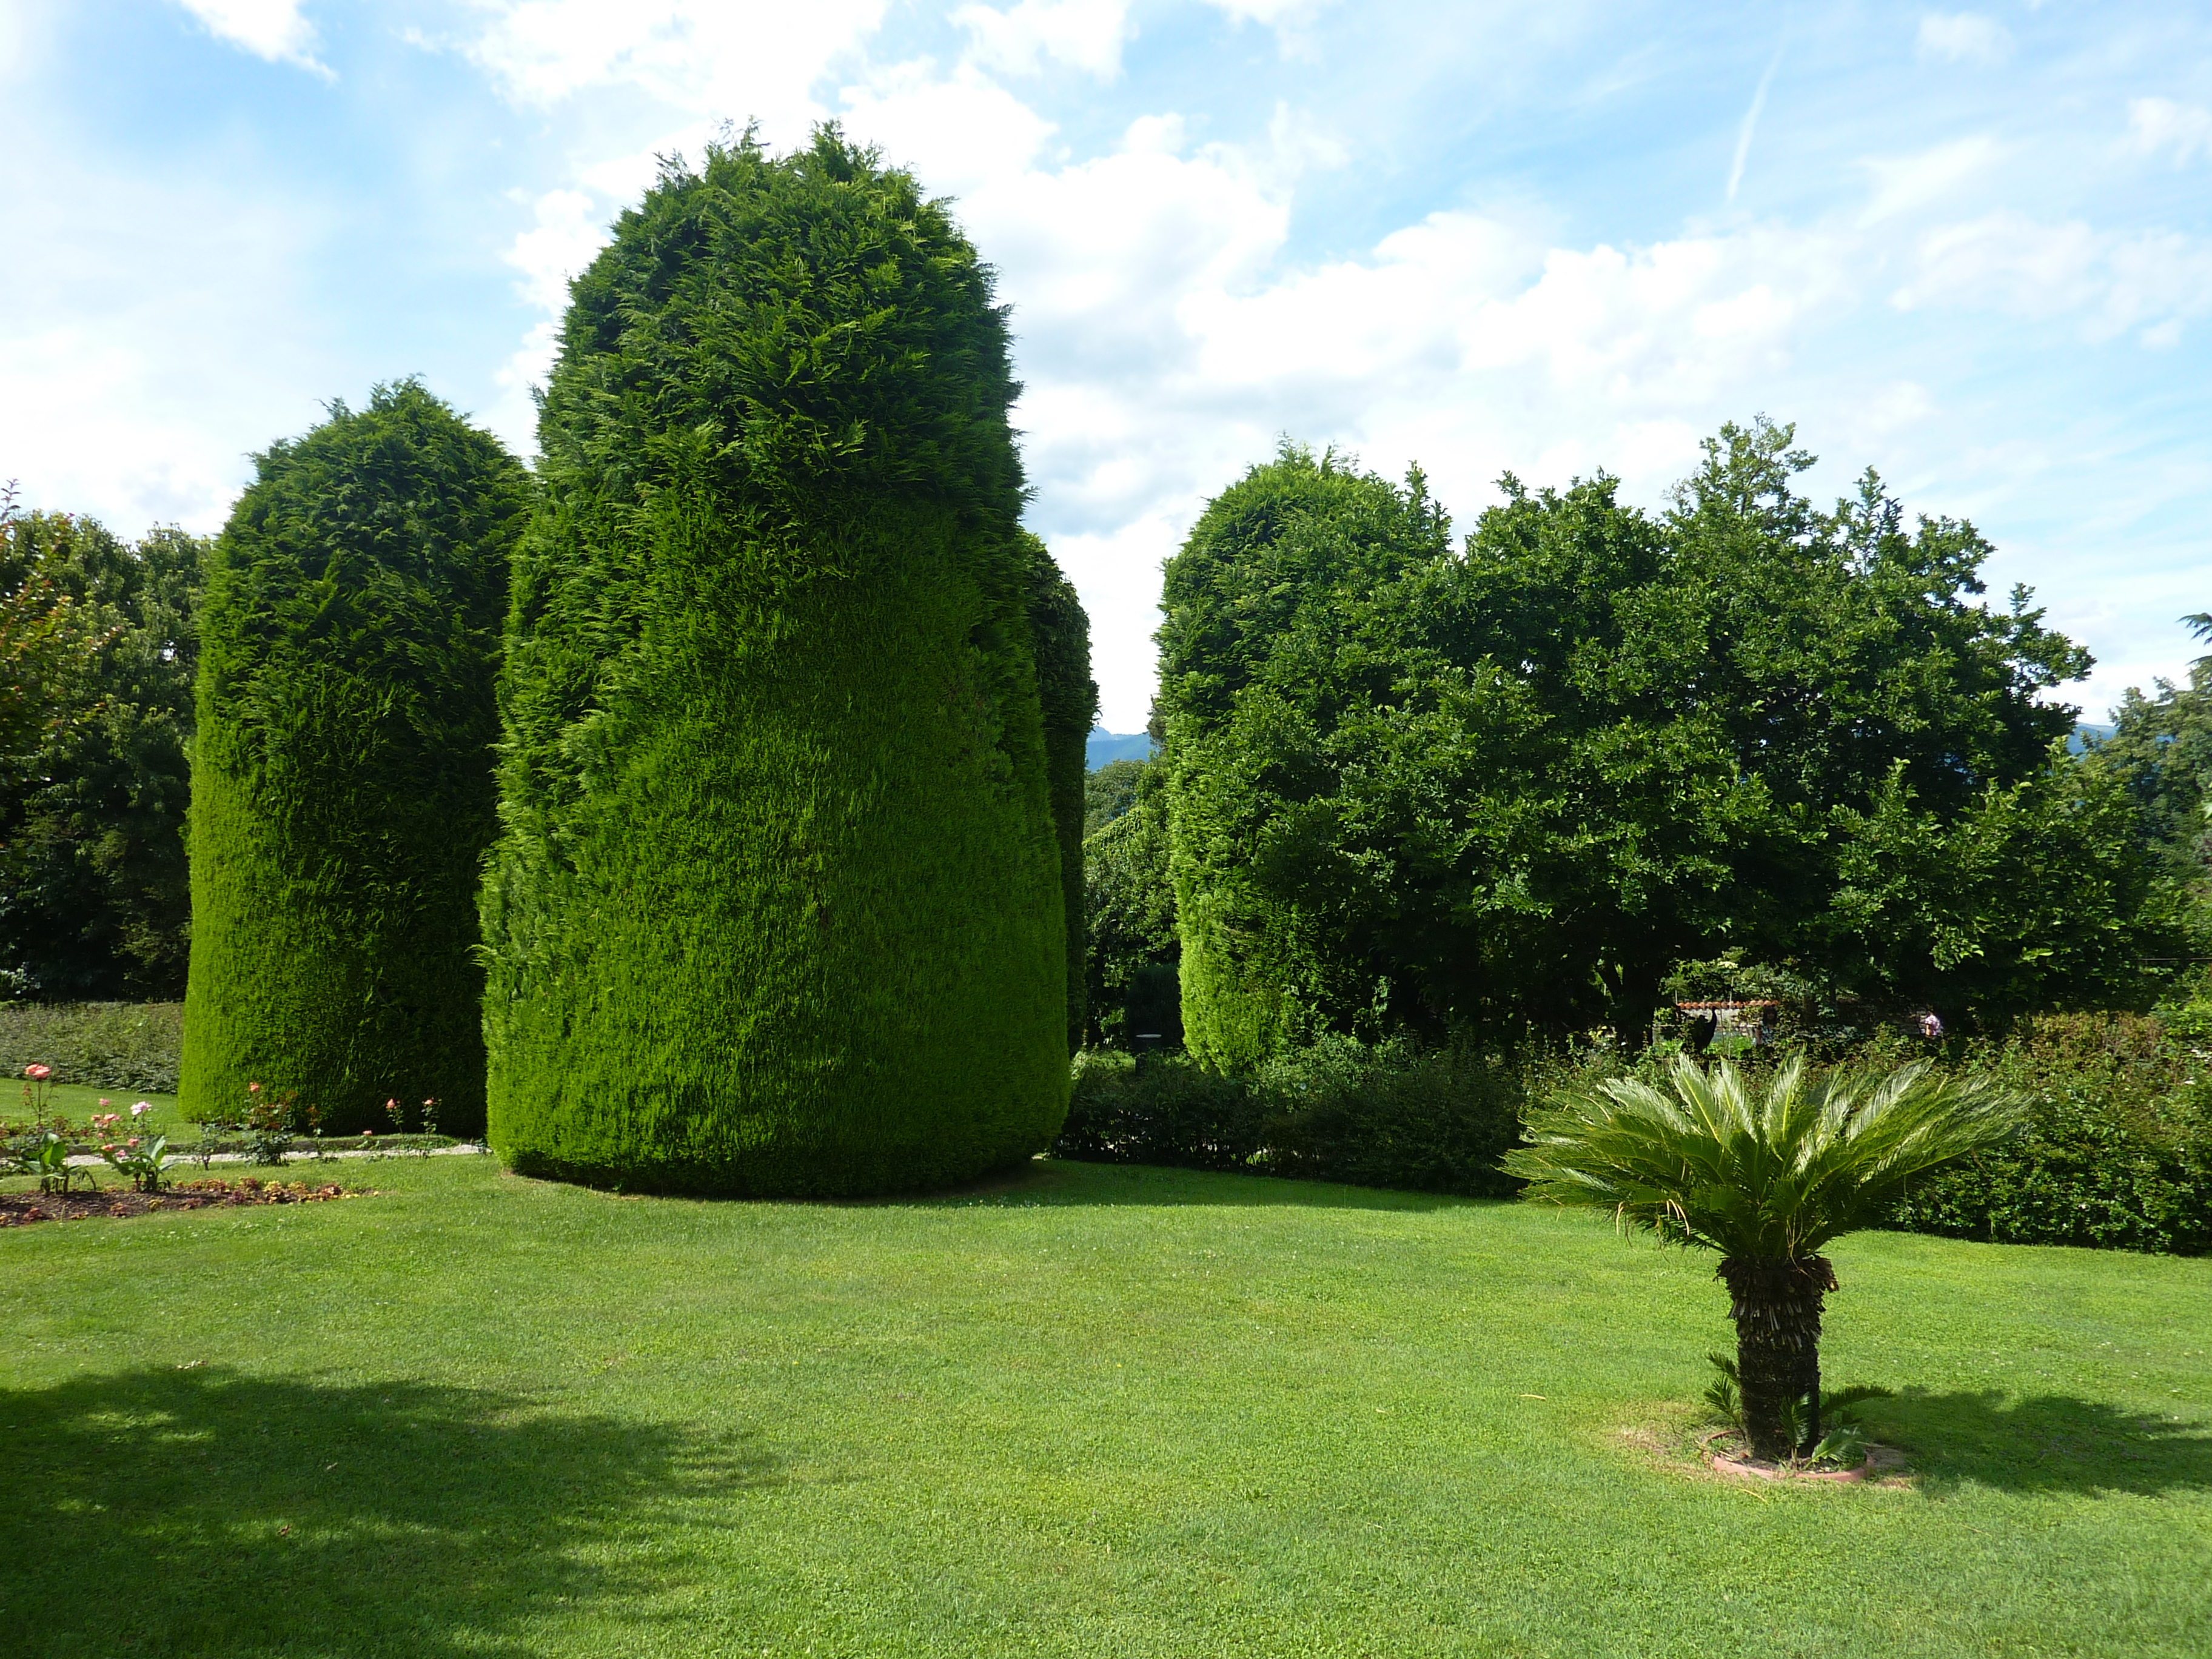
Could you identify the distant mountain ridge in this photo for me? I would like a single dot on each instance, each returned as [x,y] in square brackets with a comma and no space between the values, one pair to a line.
[1106,745]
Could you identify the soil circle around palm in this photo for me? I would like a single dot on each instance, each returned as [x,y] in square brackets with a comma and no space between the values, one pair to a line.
[1725,1453]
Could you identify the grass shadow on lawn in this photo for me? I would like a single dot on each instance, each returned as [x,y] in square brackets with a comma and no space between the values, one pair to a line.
[1074,1182]
[199,1511]
[2045,1443]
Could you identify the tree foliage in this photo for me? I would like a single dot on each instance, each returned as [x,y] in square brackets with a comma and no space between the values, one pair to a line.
[343,773]
[778,907]
[93,895]
[1419,788]
[46,645]
[1129,900]
[1108,791]
[2161,753]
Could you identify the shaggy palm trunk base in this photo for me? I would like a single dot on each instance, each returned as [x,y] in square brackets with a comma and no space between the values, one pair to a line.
[1776,1304]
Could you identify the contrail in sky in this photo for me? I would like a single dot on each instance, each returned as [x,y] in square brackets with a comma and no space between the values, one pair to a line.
[1751,120]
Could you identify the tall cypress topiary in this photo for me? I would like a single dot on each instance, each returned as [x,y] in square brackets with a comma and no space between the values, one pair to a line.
[342,787]
[1060,632]
[777,906]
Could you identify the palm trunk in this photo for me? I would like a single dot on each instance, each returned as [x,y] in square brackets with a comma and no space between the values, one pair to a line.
[1776,1303]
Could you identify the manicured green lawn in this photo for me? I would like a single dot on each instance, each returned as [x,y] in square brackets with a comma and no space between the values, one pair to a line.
[78,1102]
[1100,1412]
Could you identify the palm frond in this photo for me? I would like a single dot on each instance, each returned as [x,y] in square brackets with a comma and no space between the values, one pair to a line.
[1773,1173]
[1844,1400]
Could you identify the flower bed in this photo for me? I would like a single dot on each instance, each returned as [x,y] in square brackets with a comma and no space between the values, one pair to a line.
[19,1209]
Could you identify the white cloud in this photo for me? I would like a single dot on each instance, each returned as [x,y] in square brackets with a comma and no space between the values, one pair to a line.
[1271,13]
[705,58]
[566,238]
[2005,261]
[1167,337]
[1291,19]
[1963,37]
[1083,34]
[1117,574]
[1905,183]
[1165,346]
[273,30]
[2159,124]
[139,398]
[954,134]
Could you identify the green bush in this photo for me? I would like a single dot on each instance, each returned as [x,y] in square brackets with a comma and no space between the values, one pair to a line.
[103,1045]
[342,794]
[777,907]
[2118,1152]
[1423,1120]
[1392,1116]
[1167,1110]
[1132,945]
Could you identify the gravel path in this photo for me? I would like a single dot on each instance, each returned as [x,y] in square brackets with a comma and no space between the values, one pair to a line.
[93,1161]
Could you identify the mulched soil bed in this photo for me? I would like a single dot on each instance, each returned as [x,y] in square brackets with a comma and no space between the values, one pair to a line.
[18,1209]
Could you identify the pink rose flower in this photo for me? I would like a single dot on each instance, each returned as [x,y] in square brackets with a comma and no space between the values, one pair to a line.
[38,1073]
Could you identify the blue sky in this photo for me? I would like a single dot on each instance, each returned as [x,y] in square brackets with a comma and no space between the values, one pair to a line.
[1973,248]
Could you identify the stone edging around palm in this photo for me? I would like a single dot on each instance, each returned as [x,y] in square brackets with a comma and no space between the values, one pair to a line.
[1883,1464]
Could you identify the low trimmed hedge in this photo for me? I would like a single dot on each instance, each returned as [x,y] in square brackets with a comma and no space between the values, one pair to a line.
[1394,1116]
[2117,1155]
[104,1045]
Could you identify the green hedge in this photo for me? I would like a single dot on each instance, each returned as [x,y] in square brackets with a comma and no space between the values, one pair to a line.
[2119,1151]
[777,907]
[1392,1116]
[2117,1154]
[102,1045]
[342,790]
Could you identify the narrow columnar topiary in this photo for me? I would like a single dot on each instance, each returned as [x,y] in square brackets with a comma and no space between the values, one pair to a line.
[1060,633]
[342,791]
[1257,601]
[777,906]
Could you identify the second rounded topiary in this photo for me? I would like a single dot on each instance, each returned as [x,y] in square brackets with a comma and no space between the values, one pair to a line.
[342,793]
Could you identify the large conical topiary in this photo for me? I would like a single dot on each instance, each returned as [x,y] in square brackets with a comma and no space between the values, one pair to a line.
[777,909]
[1060,632]
[342,790]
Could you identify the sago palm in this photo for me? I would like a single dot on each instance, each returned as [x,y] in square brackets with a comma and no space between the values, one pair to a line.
[1766,1177]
